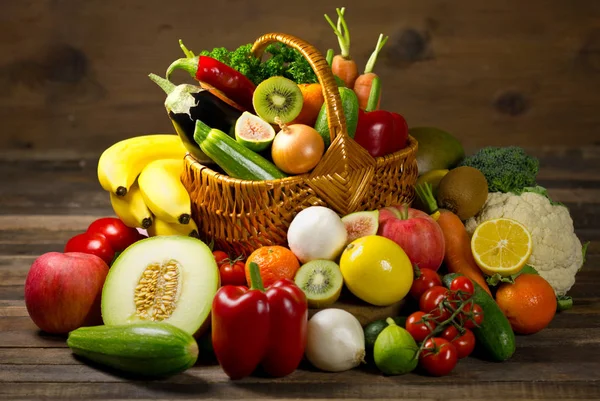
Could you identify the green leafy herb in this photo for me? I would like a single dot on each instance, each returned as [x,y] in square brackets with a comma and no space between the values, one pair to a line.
[281,60]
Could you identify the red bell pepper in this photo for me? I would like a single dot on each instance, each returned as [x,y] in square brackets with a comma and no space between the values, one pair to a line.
[257,327]
[380,132]
[235,85]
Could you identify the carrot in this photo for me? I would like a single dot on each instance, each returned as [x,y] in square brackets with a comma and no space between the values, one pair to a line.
[342,64]
[362,85]
[458,257]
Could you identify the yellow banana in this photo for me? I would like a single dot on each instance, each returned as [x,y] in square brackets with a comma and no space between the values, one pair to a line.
[161,227]
[163,192]
[120,164]
[131,208]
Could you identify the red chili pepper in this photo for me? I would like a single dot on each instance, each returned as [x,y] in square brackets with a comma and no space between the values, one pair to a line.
[252,327]
[380,132]
[235,85]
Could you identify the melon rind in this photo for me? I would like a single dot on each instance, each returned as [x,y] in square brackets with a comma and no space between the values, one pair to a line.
[199,281]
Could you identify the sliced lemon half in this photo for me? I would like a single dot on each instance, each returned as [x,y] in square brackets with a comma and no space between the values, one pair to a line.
[501,246]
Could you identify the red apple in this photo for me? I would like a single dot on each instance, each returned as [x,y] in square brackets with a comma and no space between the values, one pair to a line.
[418,235]
[62,291]
[389,212]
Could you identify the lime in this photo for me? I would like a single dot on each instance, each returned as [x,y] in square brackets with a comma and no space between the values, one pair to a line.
[376,270]
[395,350]
[373,329]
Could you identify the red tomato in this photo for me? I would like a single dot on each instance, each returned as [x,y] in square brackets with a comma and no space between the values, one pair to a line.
[438,357]
[92,243]
[417,327]
[233,273]
[430,303]
[116,232]
[427,279]
[464,343]
[471,316]
[220,257]
[463,286]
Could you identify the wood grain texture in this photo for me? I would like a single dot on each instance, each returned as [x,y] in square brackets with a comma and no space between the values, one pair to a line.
[494,72]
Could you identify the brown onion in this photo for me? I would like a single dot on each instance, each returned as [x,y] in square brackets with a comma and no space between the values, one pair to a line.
[297,148]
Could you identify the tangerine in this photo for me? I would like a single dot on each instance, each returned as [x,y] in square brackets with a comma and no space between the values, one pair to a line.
[313,99]
[275,262]
[529,303]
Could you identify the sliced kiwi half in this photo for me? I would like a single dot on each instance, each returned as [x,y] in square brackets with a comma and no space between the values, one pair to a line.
[322,281]
[277,100]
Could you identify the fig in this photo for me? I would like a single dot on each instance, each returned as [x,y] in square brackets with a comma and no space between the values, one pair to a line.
[361,224]
[253,132]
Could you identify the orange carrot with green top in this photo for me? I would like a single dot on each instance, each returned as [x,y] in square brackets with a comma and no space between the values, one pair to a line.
[342,64]
[364,82]
[458,257]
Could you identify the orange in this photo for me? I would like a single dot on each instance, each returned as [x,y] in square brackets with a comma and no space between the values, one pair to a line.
[275,262]
[312,96]
[529,303]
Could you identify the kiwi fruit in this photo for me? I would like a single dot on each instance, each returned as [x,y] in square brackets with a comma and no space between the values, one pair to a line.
[463,191]
[277,98]
[321,280]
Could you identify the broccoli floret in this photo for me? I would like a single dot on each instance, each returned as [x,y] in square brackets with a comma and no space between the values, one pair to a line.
[506,169]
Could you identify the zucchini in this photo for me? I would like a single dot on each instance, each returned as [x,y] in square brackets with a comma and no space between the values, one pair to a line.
[494,334]
[350,106]
[234,158]
[147,349]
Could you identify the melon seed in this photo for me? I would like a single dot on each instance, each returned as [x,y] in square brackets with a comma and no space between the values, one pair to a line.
[156,293]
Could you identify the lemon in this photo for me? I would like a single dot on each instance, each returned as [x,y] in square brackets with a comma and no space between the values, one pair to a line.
[501,246]
[376,270]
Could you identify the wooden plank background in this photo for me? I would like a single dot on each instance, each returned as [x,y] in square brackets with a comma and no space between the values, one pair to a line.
[495,72]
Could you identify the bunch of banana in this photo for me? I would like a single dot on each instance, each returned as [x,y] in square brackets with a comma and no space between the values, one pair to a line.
[143,176]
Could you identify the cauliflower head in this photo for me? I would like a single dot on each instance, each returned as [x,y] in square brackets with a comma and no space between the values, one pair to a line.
[557,252]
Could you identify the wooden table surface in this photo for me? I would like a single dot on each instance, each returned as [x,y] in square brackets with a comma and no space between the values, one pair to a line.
[46,199]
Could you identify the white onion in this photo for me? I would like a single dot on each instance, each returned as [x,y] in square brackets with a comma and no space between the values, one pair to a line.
[335,341]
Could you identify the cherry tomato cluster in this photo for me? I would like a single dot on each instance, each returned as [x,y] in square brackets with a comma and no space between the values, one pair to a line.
[104,238]
[444,321]
[232,271]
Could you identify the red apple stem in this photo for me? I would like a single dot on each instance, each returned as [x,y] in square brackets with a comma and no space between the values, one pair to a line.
[404,212]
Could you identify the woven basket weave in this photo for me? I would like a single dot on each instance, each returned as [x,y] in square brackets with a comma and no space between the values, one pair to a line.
[241,215]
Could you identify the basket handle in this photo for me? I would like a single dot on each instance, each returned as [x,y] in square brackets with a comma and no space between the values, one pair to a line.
[333,103]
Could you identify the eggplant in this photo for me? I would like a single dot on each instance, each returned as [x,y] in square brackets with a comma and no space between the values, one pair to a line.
[187,103]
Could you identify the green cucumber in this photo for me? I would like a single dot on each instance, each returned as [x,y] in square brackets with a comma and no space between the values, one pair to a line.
[147,349]
[494,334]
[234,158]
[350,106]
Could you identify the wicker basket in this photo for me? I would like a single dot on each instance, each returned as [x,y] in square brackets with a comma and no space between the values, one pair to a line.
[241,215]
